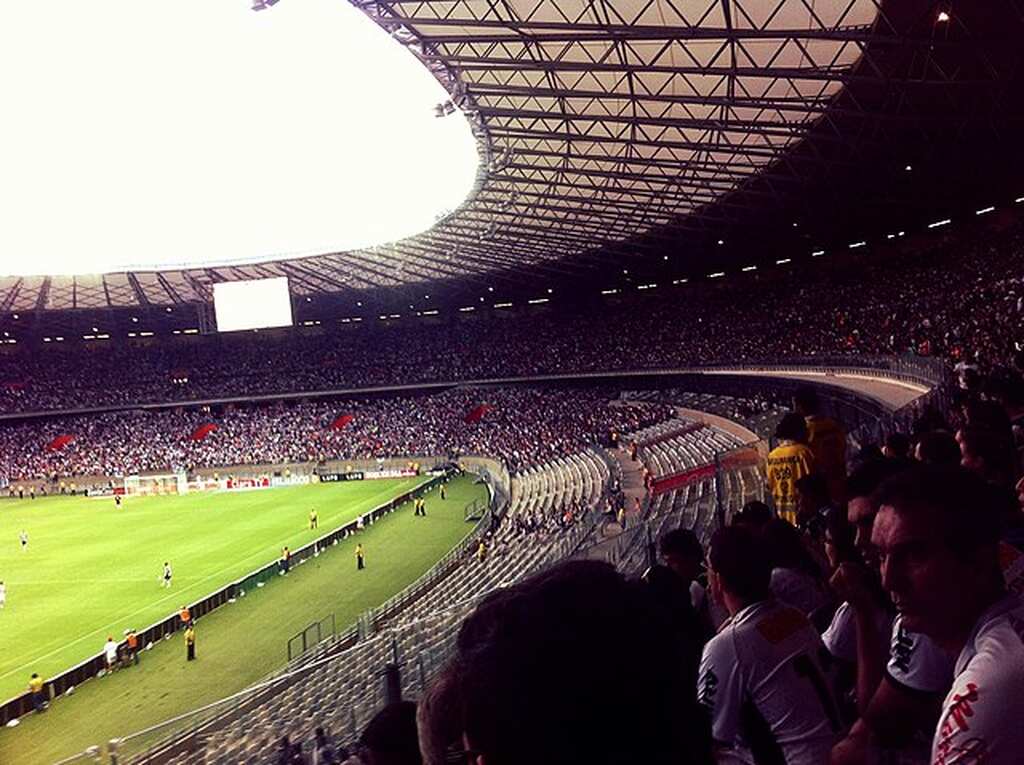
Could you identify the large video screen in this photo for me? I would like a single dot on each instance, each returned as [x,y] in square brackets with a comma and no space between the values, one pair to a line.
[258,304]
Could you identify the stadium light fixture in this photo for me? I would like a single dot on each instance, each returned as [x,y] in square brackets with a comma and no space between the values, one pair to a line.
[538,301]
[817,253]
[890,236]
[856,245]
[609,292]
[716,275]
[502,305]
[749,268]
[71,155]
[680,281]
[646,286]
[721,241]
[940,223]
[141,334]
[985,210]
[60,339]
[943,17]
[47,339]
[1018,200]
[15,317]
[467,309]
[908,168]
[783,261]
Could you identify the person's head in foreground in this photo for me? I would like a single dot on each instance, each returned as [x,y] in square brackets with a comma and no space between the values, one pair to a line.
[537,668]
[739,568]
[937,535]
[390,738]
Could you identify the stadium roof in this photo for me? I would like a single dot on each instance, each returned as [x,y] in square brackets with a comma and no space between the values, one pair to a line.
[623,133]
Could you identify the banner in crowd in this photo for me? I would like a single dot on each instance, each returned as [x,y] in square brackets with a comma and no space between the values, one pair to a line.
[478,413]
[60,442]
[341,421]
[672,482]
[203,431]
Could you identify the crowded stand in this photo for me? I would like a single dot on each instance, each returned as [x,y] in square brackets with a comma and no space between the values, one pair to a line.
[959,301]
[521,426]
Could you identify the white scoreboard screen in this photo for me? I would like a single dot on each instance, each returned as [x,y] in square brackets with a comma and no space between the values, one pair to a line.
[258,304]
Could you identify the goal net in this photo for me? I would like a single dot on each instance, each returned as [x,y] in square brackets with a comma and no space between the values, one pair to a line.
[153,485]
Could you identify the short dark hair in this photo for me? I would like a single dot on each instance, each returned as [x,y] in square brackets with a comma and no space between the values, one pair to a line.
[995,449]
[682,542]
[813,485]
[528,688]
[740,559]
[841,534]
[865,480]
[806,398]
[898,444]
[792,427]
[969,511]
[786,548]
[391,735]
[754,513]
[939,448]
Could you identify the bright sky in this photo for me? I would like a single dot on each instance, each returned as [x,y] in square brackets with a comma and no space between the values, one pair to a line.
[161,133]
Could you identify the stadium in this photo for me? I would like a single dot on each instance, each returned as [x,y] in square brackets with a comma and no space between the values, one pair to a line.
[398,382]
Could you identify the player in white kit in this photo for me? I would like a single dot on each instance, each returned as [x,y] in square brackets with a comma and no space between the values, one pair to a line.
[763,676]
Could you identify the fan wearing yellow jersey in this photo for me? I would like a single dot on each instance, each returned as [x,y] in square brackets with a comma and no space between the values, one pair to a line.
[788,462]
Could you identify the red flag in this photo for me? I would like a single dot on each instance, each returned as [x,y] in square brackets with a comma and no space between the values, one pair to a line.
[477,414]
[60,442]
[341,421]
[203,431]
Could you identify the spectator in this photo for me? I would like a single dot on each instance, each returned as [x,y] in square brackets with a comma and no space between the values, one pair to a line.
[761,677]
[827,441]
[897,447]
[684,554]
[323,751]
[898,685]
[36,686]
[519,639]
[938,448]
[938,533]
[788,462]
[754,515]
[390,738]
[813,504]
[989,454]
[110,653]
[796,578]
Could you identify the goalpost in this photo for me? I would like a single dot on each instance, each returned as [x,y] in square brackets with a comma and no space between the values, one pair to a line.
[153,485]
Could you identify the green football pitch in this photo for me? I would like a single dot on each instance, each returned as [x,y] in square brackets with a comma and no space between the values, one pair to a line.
[92,569]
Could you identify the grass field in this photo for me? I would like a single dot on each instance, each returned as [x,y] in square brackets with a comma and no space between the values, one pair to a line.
[92,570]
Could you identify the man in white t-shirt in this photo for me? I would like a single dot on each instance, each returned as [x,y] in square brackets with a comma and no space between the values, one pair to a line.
[762,676]
[110,652]
[938,536]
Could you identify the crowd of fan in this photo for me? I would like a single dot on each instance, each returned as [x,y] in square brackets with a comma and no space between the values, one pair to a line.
[521,426]
[960,301]
[883,625]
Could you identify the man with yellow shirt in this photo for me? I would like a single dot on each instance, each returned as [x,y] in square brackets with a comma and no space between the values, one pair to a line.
[788,462]
[35,687]
[827,440]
